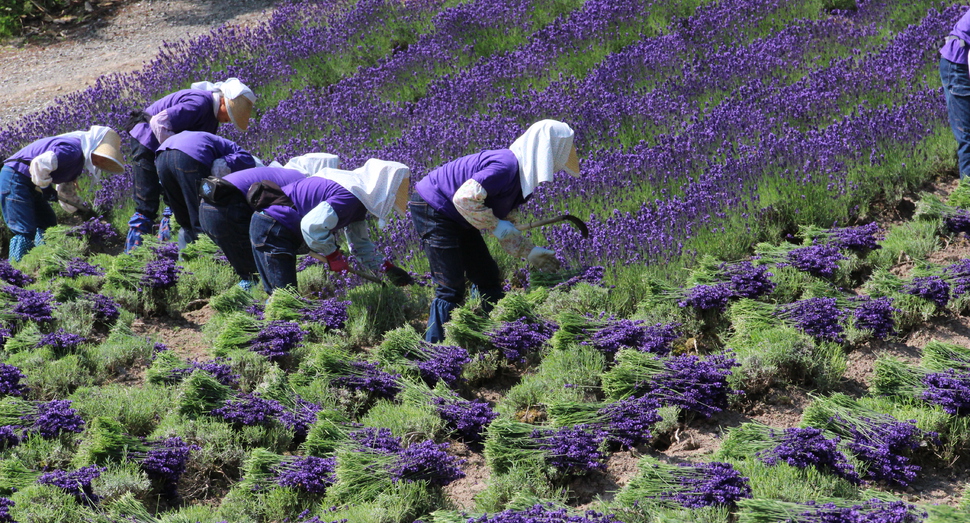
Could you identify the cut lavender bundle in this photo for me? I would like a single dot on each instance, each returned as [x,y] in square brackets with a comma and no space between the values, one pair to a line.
[287,304]
[817,260]
[949,389]
[520,338]
[5,505]
[277,338]
[547,513]
[820,318]
[162,273]
[309,474]
[249,409]
[105,309]
[30,306]
[299,417]
[61,341]
[76,483]
[79,267]
[688,485]
[805,447]
[571,450]
[626,422]
[859,239]
[50,419]
[931,288]
[379,440]
[96,232]
[466,419]
[10,384]
[365,376]
[842,511]
[875,315]
[707,297]
[426,461]
[404,348]
[13,276]
[165,461]
[881,442]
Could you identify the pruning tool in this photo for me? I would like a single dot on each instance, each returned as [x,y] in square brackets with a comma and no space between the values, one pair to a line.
[576,222]
[353,271]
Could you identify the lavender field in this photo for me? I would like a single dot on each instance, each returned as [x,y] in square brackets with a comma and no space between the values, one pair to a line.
[767,323]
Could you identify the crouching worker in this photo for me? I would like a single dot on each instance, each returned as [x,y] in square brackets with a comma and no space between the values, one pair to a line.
[28,178]
[183,161]
[314,209]
[201,108]
[455,201]
[224,213]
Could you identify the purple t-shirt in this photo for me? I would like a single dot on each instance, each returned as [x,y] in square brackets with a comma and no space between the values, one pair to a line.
[206,147]
[497,171]
[955,50]
[188,110]
[278,175]
[70,157]
[310,192]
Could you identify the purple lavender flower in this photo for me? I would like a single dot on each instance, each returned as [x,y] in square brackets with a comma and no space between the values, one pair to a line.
[747,280]
[9,437]
[218,368]
[12,275]
[52,418]
[426,461]
[365,376]
[443,363]
[818,317]
[591,275]
[379,440]
[466,419]
[77,482]
[544,514]
[950,389]
[872,511]
[876,315]
[860,239]
[880,444]
[167,251]
[61,341]
[5,505]
[248,410]
[619,334]
[256,310]
[309,474]
[300,417]
[277,339]
[330,312]
[958,221]
[932,288]
[574,449]
[162,273]
[78,267]
[10,377]
[708,485]
[305,262]
[165,461]
[809,447]
[95,231]
[518,338]
[630,419]
[692,383]
[105,309]
[817,260]
[31,305]
[708,297]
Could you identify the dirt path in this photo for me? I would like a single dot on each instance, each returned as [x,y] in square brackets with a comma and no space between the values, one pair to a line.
[32,76]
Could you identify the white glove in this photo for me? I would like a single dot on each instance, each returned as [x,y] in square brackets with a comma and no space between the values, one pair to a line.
[220,168]
[41,168]
[504,229]
[69,191]
[543,259]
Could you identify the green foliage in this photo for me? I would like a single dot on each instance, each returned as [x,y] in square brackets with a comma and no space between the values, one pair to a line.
[235,299]
[200,393]
[582,298]
[564,375]
[521,487]
[412,422]
[119,353]
[48,504]
[55,379]
[374,310]
[138,409]
[104,440]
[913,240]
[788,483]
[119,480]
[960,197]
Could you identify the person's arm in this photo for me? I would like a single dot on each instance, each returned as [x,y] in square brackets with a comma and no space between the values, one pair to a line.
[469,199]
[161,126]
[361,246]
[41,168]
[317,228]
[69,191]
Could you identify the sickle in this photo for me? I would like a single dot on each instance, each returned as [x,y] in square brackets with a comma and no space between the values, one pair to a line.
[576,222]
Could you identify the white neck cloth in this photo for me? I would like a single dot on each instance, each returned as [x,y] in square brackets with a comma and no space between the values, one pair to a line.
[311,163]
[375,184]
[231,88]
[90,140]
[541,151]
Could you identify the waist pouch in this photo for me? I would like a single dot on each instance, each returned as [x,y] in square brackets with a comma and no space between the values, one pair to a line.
[218,192]
[265,194]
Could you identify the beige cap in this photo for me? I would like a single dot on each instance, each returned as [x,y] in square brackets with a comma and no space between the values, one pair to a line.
[572,164]
[239,109]
[401,196]
[110,150]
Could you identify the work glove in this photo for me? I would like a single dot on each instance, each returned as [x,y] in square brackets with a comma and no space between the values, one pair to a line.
[504,229]
[396,275]
[337,261]
[511,239]
[69,191]
[543,259]
[220,168]
[165,226]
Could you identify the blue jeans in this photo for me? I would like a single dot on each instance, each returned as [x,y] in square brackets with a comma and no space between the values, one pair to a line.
[24,208]
[956,89]
[180,175]
[456,255]
[228,226]
[148,191]
[274,248]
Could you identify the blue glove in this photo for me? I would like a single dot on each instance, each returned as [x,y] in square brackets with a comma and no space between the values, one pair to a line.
[504,229]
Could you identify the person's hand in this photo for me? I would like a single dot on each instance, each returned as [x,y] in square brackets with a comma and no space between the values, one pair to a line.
[543,259]
[505,229]
[396,275]
[337,261]
[69,192]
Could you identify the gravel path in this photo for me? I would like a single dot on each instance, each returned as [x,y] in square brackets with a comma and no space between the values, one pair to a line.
[32,76]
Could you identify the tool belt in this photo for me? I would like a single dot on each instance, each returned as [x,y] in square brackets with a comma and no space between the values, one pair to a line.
[265,194]
[219,192]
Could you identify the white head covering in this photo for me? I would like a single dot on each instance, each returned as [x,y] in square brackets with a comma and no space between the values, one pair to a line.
[90,140]
[542,150]
[311,163]
[232,88]
[375,184]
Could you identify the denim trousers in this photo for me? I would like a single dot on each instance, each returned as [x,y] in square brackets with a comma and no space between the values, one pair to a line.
[274,249]
[956,89]
[456,255]
[228,226]
[180,175]
[24,208]
[148,192]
